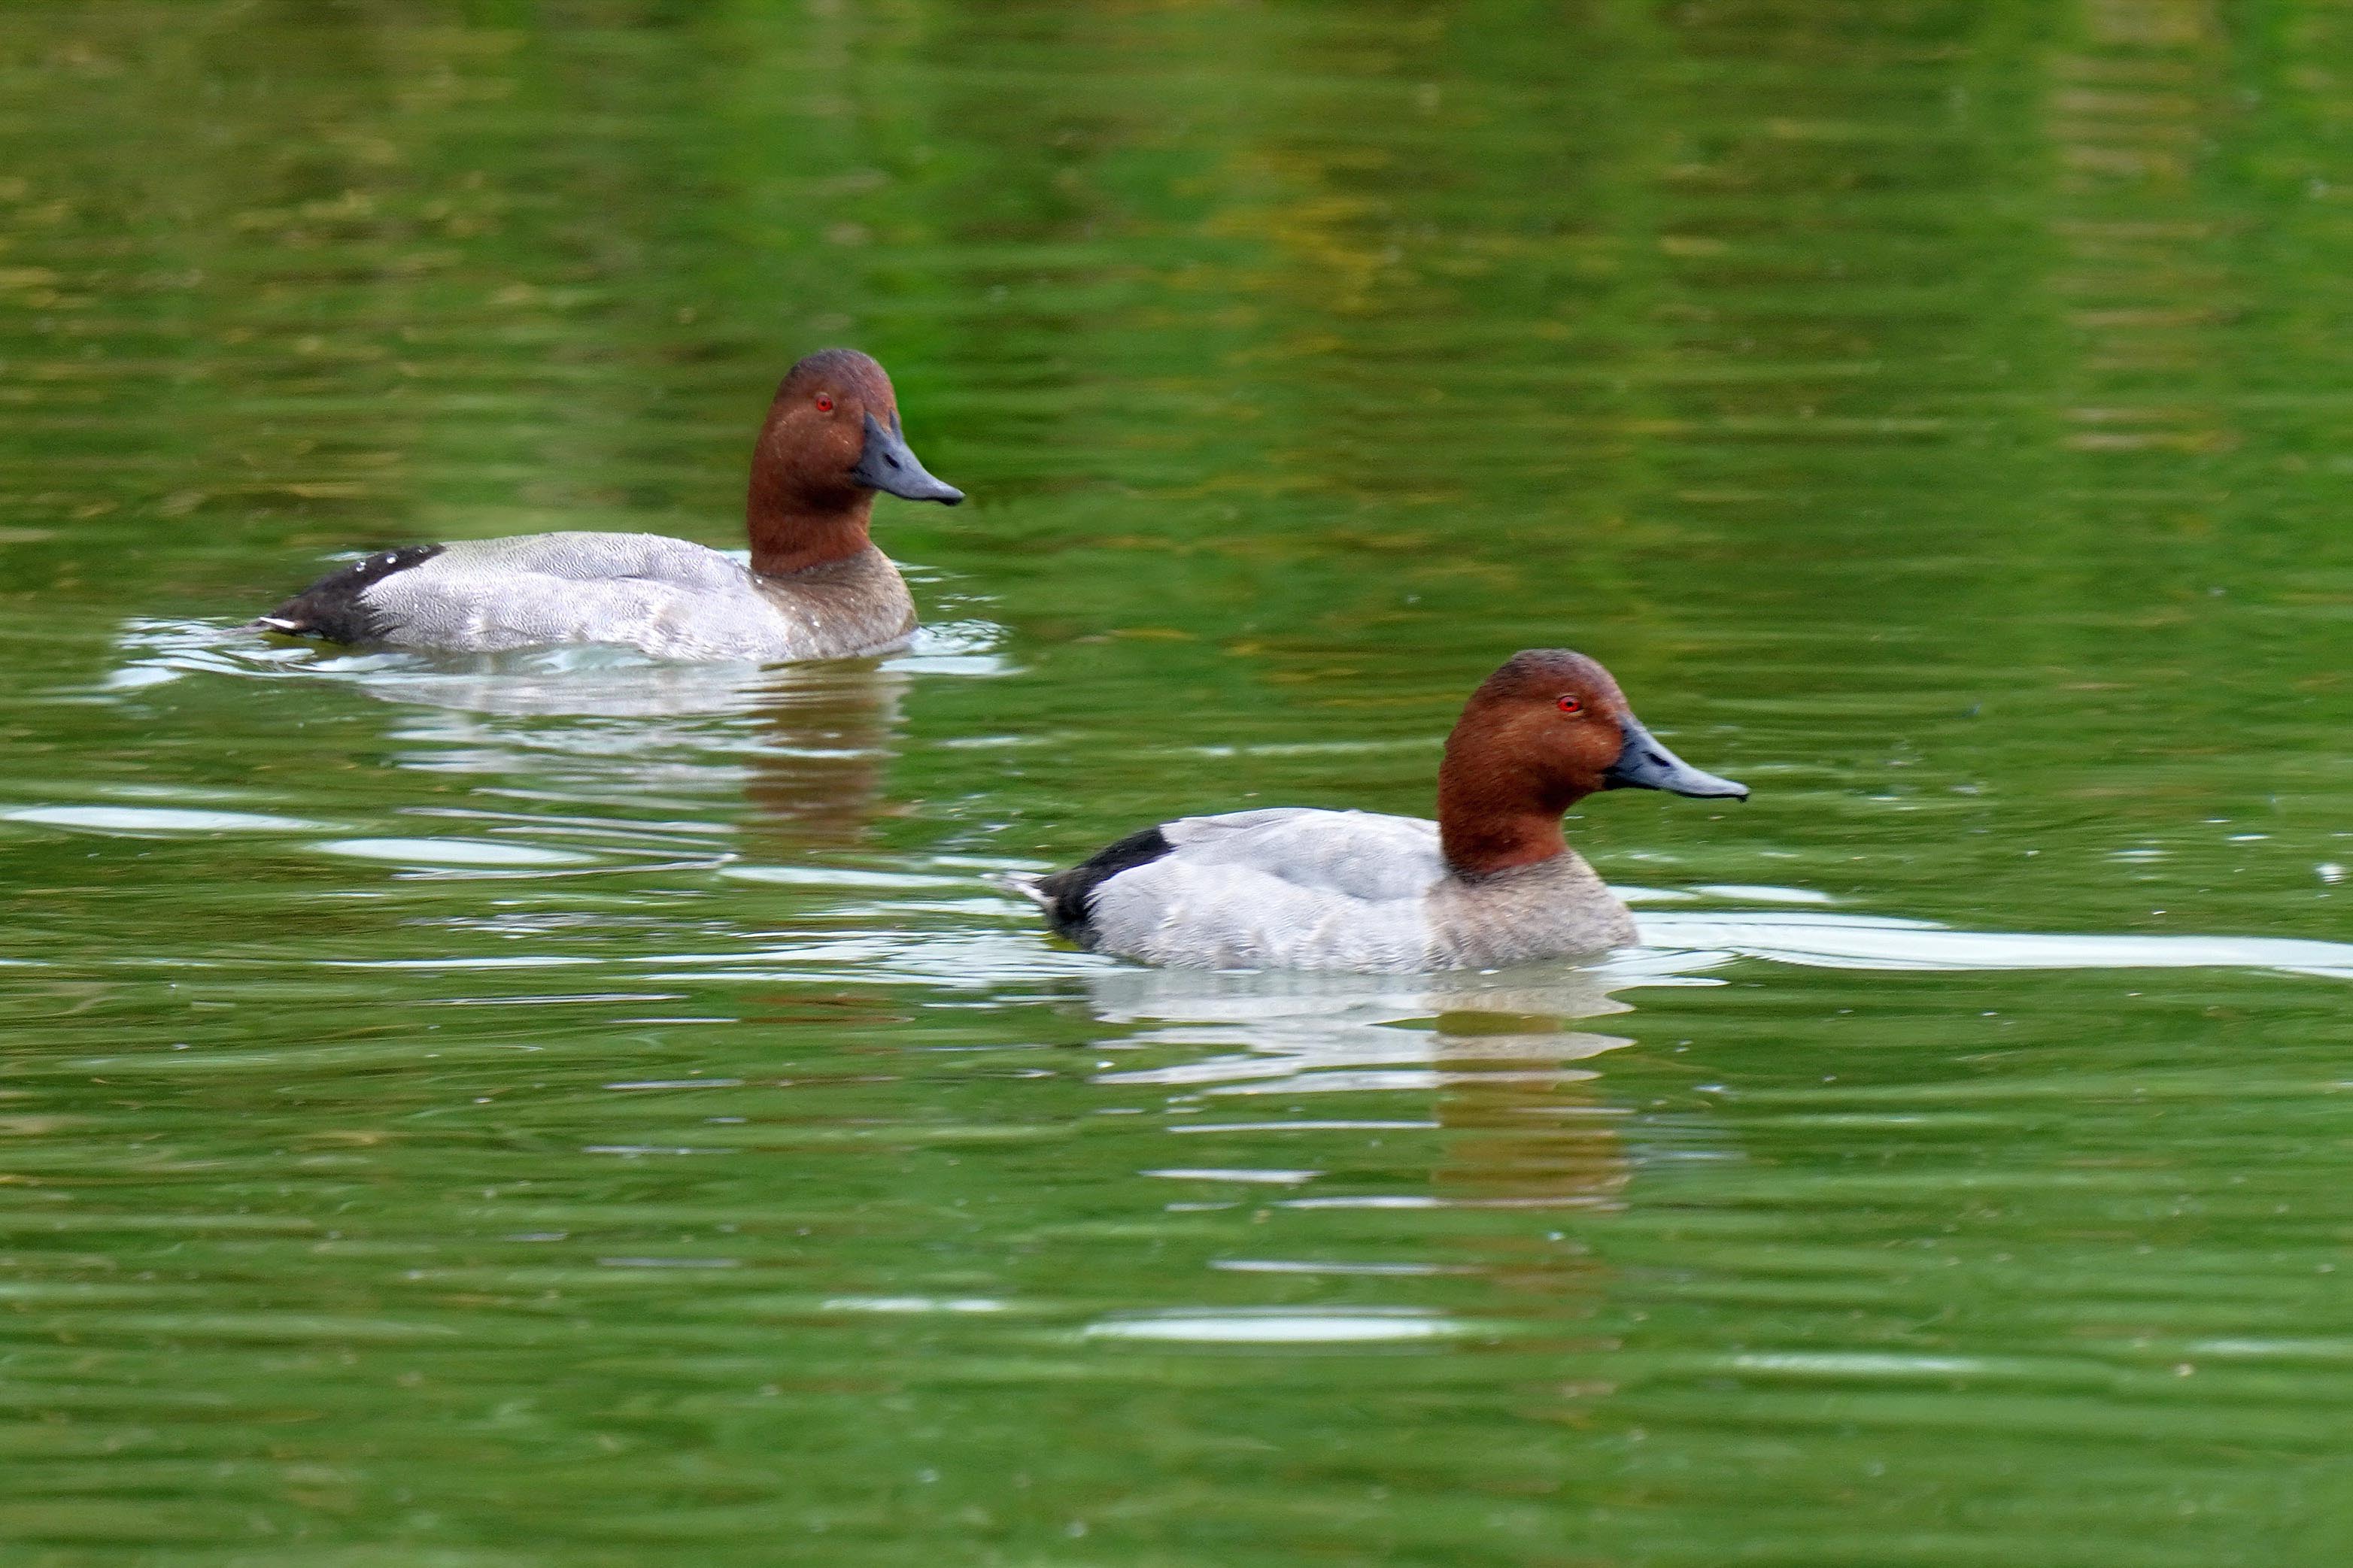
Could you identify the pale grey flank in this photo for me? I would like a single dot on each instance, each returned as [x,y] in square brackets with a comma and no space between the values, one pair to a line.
[1301,889]
[668,598]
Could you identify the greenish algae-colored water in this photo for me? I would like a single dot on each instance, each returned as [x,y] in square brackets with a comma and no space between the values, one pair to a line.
[563,1111]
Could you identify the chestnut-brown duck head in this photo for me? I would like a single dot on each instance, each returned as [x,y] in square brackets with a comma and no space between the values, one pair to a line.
[831,439]
[1540,734]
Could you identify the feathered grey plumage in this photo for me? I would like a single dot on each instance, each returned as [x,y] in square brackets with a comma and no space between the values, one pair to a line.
[1295,887]
[668,598]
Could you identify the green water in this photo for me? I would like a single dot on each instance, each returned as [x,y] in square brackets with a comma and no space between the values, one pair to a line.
[566,1113]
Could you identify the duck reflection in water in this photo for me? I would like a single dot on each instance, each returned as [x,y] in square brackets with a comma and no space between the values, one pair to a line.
[1488,1095]
[807,746]
[1308,1031]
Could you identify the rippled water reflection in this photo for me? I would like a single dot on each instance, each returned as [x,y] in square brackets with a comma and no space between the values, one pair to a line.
[560,1108]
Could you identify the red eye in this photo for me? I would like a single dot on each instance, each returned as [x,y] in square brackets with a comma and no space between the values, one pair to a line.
[1570,705]
[825,403]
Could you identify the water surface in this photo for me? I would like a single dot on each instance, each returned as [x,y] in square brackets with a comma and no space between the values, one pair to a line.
[559,1110]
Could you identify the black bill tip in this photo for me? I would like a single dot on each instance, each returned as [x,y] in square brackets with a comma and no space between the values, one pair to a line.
[1644,763]
[890,465]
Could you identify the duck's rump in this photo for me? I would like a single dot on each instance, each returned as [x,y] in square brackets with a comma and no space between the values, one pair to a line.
[666,598]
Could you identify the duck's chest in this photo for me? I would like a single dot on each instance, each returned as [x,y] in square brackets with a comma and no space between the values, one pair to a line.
[1557,908]
[838,610]
[842,609]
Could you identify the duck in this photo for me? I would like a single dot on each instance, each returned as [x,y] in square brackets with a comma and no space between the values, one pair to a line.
[1490,884]
[815,587]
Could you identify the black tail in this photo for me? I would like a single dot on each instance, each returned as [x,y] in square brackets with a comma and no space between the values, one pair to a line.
[1069,895]
[332,607]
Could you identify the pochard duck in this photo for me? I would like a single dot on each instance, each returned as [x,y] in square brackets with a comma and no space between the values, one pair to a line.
[1489,883]
[816,586]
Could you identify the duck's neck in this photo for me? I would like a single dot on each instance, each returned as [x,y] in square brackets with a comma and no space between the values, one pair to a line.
[792,531]
[1492,817]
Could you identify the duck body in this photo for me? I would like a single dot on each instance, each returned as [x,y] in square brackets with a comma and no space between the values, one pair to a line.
[816,587]
[1297,887]
[1489,883]
[667,598]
